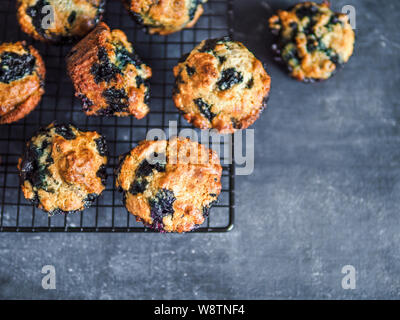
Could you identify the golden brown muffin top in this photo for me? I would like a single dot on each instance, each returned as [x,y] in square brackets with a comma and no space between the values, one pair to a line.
[170,185]
[166,16]
[221,85]
[22,74]
[108,75]
[73,19]
[63,168]
[312,40]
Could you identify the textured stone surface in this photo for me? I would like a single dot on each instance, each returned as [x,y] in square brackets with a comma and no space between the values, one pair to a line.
[325,194]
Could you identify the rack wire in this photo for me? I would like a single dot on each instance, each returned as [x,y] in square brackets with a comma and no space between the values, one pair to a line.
[108,213]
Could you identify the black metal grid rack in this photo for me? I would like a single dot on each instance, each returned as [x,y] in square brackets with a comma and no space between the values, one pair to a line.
[108,213]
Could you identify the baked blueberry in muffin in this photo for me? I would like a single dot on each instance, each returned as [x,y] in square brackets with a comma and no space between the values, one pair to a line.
[170,185]
[221,85]
[108,75]
[167,16]
[22,74]
[63,169]
[312,40]
[59,21]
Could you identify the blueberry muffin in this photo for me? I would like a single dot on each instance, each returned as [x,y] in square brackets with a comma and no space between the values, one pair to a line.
[63,169]
[170,185]
[66,21]
[312,40]
[22,74]
[167,16]
[108,75]
[221,85]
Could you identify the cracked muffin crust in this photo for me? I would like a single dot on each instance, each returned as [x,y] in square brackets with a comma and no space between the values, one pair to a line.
[73,19]
[312,40]
[221,85]
[63,169]
[22,74]
[170,185]
[108,75]
[166,16]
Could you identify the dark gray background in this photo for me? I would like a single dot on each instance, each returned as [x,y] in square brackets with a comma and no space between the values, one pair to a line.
[324,194]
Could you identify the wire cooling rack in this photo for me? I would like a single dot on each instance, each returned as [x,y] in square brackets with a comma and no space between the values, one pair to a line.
[107,214]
